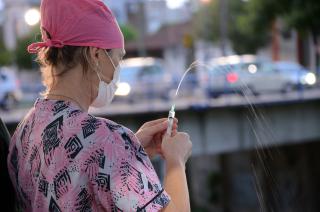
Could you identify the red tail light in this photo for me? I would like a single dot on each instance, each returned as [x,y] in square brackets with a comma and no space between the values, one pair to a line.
[232,77]
[205,78]
[18,83]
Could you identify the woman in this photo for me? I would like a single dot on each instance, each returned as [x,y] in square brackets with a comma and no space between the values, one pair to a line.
[64,159]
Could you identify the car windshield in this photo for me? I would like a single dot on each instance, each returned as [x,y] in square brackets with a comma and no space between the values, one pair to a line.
[288,67]
[240,67]
[222,69]
[129,73]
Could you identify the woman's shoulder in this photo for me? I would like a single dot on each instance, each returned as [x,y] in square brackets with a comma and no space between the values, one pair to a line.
[111,126]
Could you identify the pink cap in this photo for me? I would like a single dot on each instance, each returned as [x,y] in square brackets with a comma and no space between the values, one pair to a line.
[78,23]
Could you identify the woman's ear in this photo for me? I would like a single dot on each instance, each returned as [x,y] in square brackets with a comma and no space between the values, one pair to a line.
[94,53]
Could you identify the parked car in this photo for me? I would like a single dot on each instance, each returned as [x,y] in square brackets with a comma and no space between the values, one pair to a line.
[298,77]
[248,74]
[10,92]
[143,78]
[280,77]
[230,74]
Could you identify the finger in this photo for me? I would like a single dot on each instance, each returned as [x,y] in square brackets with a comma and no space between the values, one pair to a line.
[158,138]
[155,122]
[174,132]
[157,128]
[175,126]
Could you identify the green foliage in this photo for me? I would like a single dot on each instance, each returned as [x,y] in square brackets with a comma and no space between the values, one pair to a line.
[129,32]
[24,59]
[249,23]
[244,36]
[206,22]
[5,55]
[301,15]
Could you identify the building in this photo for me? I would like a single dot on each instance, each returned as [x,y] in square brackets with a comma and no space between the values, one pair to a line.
[14,25]
[150,13]
[119,9]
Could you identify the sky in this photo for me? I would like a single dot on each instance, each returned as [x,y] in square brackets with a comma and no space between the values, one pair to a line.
[173,4]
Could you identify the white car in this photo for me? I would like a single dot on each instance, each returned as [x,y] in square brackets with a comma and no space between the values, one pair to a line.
[143,78]
[10,92]
[248,74]
[232,74]
[297,76]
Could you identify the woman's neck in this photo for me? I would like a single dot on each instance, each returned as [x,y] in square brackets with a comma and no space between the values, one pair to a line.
[72,86]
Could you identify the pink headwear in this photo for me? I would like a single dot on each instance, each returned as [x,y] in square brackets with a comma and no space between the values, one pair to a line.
[78,23]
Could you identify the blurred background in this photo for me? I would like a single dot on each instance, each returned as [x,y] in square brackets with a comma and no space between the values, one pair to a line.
[250,101]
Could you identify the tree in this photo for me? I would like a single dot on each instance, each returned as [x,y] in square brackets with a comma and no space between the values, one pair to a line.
[243,37]
[129,32]
[250,23]
[206,22]
[5,54]
[23,59]
[300,15]
[244,34]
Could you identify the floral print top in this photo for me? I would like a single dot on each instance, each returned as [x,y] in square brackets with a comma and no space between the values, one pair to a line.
[64,159]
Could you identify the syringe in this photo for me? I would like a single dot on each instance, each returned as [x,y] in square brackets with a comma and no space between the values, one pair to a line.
[170,120]
[172,112]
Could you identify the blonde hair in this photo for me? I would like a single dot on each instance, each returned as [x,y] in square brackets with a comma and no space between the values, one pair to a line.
[55,62]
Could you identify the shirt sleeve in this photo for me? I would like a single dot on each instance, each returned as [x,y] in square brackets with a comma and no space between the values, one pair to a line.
[132,183]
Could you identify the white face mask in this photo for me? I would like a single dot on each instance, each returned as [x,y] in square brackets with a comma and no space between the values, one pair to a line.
[106,91]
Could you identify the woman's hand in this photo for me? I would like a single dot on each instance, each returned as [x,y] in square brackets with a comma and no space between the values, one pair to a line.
[151,133]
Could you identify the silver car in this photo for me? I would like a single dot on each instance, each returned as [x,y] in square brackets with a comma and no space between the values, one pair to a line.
[248,74]
[297,76]
[232,74]
[143,78]
[10,92]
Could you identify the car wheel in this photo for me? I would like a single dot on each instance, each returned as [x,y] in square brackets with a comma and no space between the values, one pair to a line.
[287,88]
[212,94]
[249,91]
[246,91]
[255,93]
[9,102]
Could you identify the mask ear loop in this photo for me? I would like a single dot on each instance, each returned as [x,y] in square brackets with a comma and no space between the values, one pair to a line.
[115,68]
[96,70]
[98,67]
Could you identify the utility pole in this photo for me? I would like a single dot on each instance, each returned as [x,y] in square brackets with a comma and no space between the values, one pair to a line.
[137,18]
[223,4]
[142,29]
[275,41]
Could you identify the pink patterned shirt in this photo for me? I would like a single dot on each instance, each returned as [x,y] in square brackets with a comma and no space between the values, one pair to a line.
[64,159]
